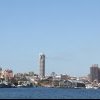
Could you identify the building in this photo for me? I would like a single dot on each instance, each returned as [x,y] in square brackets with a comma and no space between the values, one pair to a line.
[0,72]
[85,79]
[72,84]
[64,77]
[8,74]
[94,73]
[42,65]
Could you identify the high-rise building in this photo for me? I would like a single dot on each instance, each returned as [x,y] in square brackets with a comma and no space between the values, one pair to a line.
[94,73]
[0,72]
[42,65]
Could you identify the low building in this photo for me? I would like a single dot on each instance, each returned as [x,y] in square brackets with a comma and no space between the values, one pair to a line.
[64,77]
[72,84]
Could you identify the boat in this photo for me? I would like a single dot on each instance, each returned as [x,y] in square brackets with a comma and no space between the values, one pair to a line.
[92,87]
[96,87]
[3,85]
[89,86]
[19,86]
[24,86]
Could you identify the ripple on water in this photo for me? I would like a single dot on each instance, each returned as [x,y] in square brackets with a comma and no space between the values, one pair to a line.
[48,93]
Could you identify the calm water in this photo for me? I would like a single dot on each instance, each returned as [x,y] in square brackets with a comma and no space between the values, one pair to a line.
[51,93]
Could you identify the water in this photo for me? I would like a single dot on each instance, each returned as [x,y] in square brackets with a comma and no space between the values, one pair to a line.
[48,93]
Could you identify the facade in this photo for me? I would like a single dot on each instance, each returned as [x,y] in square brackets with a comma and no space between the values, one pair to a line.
[0,72]
[72,84]
[65,77]
[42,65]
[8,74]
[94,73]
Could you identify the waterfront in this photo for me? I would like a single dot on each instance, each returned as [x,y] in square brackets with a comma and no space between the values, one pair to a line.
[48,93]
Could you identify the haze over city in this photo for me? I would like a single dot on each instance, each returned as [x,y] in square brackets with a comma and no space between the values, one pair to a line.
[66,31]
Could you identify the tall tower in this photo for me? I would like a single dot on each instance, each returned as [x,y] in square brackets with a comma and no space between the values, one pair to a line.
[42,65]
[95,73]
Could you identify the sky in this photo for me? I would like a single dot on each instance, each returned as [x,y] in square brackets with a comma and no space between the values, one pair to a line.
[66,31]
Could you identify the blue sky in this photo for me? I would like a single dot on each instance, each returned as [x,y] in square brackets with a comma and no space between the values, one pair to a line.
[67,31]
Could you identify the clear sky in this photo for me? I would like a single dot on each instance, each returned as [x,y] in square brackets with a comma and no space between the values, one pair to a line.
[67,31]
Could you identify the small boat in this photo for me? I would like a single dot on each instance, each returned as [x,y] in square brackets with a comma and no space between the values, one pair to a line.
[96,87]
[92,87]
[19,86]
[24,86]
[3,85]
[89,86]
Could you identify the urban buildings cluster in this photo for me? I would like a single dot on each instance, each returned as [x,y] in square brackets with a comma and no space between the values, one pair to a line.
[90,81]
[31,79]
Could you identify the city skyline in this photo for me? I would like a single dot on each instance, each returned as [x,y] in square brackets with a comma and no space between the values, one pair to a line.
[42,72]
[66,31]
